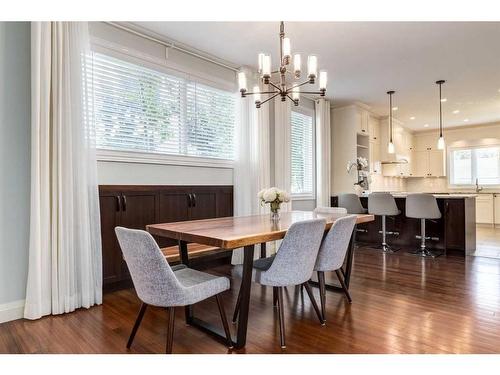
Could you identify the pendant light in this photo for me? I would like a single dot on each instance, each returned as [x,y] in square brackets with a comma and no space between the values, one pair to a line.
[441,143]
[390,147]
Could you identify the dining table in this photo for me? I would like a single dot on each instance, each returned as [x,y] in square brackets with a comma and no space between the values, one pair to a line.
[243,232]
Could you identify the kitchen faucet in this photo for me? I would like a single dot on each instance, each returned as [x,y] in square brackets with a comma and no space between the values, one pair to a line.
[478,189]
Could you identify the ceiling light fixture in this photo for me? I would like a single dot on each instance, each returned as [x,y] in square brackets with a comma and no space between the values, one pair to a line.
[390,146]
[444,100]
[456,111]
[466,120]
[395,108]
[282,88]
[426,125]
[412,118]
[441,143]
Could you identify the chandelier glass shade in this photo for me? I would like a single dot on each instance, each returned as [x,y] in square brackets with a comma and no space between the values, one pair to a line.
[283,82]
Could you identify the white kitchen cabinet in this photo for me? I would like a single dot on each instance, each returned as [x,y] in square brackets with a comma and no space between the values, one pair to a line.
[420,163]
[484,209]
[362,120]
[496,209]
[428,163]
[436,163]
[375,166]
[373,128]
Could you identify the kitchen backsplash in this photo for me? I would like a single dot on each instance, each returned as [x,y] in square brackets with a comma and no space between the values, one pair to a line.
[381,183]
[427,185]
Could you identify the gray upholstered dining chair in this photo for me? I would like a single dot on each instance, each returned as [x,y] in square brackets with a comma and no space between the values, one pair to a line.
[158,284]
[330,210]
[331,256]
[292,265]
[351,203]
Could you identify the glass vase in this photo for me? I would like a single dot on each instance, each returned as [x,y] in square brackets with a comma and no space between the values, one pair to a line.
[275,211]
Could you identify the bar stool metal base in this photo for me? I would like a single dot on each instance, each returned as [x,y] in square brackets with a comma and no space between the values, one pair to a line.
[389,249]
[425,252]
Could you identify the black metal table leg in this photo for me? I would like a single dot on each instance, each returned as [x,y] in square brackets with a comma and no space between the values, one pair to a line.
[246,285]
[263,250]
[193,321]
[188,310]
[350,257]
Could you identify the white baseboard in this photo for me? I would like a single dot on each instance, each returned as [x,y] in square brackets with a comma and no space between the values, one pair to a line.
[11,311]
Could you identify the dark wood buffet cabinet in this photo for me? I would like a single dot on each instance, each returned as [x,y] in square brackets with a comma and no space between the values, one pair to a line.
[135,206]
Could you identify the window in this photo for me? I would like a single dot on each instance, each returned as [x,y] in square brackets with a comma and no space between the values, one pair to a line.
[481,163]
[302,155]
[144,110]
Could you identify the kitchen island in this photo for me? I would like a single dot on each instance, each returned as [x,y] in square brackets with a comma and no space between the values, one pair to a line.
[454,233]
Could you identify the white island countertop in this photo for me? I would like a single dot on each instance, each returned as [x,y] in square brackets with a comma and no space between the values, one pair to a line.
[403,194]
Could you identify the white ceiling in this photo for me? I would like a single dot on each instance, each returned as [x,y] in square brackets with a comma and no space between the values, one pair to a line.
[365,59]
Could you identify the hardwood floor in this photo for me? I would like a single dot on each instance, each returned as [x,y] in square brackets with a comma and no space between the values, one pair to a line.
[488,241]
[402,304]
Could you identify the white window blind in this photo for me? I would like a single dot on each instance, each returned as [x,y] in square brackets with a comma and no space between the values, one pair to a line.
[302,154]
[145,110]
[481,163]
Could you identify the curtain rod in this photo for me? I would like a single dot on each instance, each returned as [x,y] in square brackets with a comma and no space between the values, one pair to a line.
[170,45]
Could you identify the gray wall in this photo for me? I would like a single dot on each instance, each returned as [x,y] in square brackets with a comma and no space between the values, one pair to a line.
[14,159]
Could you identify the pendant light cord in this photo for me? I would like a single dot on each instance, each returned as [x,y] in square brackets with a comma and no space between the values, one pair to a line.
[440,113]
[390,113]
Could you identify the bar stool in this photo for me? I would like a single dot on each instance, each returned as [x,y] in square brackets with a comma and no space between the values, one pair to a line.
[423,206]
[384,204]
[351,203]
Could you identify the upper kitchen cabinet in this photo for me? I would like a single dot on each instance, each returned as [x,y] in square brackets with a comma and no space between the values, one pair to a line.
[374,128]
[362,119]
[428,160]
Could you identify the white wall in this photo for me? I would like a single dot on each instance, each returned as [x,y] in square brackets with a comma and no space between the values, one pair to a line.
[485,134]
[14,165]
[117,173]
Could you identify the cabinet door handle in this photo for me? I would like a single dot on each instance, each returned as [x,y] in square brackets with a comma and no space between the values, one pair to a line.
[124,205]
[189,199]
[194,200]
[118,203]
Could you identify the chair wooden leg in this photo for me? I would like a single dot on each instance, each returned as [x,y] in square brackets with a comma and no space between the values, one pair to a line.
[137,324]
[344,287]
[313,301]
[224,321]
[237,308]
[281,317]
[275,296]
[322,293]
[170,330]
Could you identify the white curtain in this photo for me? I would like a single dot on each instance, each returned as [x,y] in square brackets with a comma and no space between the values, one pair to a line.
[282,151]
[252,168]
[323,152]
[65,268]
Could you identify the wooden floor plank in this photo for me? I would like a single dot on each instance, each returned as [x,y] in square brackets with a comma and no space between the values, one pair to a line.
[401,304]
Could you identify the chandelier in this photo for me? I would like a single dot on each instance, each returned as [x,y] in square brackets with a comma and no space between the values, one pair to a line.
[282,88]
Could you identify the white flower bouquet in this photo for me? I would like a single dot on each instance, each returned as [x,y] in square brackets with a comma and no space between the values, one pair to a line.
[274,197]
[360,163]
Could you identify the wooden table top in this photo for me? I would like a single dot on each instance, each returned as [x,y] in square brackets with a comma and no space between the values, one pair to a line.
[239,231]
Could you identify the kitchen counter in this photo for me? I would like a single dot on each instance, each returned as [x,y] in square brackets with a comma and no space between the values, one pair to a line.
[437,195]
[455,231]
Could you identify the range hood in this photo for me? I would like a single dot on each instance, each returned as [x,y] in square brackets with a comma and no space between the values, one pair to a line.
[399,161]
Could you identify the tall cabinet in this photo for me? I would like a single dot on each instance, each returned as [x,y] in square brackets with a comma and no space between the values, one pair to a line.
[355,132]
[135,207]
